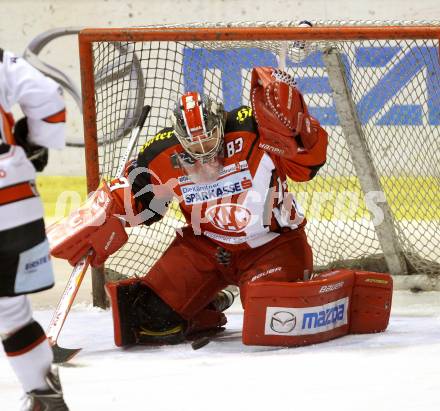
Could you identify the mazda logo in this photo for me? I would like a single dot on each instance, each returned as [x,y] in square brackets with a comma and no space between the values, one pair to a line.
[282,322]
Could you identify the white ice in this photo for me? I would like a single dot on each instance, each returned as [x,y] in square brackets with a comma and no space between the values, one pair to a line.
[394,371]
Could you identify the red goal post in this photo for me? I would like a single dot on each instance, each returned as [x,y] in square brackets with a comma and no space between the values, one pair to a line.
[376,89]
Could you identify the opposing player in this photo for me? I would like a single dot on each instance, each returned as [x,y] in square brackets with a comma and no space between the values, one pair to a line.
[25,265]
[229,172]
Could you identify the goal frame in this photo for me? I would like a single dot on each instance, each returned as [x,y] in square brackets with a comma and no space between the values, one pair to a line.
[192,34]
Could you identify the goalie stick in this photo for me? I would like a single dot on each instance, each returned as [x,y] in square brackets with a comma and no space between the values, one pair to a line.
[59,316]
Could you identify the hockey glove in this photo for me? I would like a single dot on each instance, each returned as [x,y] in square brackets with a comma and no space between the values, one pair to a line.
[95,226]
[283,120]
[38,155]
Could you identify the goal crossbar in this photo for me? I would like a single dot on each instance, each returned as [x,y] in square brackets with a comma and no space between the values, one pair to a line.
[259,33]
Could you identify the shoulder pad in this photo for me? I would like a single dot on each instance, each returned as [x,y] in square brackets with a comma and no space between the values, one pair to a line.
[165,138]
[160,142]
[240,119]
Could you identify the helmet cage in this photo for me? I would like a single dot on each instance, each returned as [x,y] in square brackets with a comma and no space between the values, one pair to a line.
[198,122]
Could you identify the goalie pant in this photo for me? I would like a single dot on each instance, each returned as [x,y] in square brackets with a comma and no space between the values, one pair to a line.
[205,269]
[193,270]
[25,264]
[281,309]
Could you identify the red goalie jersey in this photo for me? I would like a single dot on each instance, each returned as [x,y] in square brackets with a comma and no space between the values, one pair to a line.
[247,206]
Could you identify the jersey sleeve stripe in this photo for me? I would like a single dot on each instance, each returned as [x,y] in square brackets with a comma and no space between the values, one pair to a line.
[251,149]
[59,117]
[7,121]
[17,192]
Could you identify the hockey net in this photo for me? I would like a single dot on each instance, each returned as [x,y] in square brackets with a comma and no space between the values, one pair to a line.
[385,83]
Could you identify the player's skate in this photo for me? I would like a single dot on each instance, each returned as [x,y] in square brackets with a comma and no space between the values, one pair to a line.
[224,299]
[208,322]
[46,400]
[141,317]
[211,320]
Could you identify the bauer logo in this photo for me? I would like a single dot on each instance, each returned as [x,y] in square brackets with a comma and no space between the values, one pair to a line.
[308,320]
[331,287]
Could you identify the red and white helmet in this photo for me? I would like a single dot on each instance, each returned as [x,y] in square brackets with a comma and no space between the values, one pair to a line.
[198,123]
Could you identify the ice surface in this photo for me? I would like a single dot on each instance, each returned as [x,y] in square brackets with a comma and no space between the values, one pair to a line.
[393,371]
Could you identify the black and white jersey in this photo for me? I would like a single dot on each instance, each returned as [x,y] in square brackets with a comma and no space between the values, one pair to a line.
[39,97]
[24,251]
[41,101]
[19,199]
[25,265]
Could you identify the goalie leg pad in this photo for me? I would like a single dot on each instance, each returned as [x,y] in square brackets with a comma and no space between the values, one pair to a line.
[330,306]
[141,316]
[371,302]
[299,313]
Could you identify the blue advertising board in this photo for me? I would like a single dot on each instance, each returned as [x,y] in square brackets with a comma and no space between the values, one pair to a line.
[391,82]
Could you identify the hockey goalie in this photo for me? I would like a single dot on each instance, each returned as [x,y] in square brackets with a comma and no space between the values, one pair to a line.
[229,172]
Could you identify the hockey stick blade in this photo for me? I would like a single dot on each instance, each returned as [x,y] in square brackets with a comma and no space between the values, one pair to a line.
[62,355]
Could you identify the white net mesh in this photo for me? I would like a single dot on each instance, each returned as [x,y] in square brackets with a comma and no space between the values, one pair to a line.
[395,85]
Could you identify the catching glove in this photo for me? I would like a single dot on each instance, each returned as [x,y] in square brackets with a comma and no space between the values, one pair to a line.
[283,120]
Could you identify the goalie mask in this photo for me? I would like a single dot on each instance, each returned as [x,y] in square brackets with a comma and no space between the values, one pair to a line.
[199,126]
